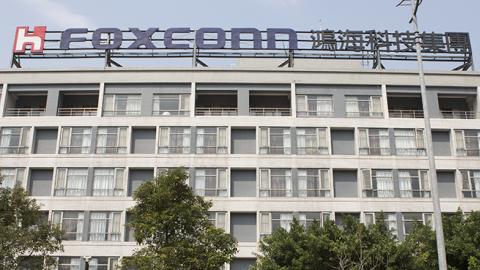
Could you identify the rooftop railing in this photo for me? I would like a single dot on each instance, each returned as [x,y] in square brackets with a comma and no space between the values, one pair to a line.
[406,113]
[270,111]
[77,111]
[459,114]
[216,111]
[25,111]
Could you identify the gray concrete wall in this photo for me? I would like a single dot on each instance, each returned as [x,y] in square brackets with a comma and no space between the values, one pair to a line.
[45,141]
[345,184]
[40,182]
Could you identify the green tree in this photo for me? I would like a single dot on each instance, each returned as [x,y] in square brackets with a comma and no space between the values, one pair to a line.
[26,237]
[172,223]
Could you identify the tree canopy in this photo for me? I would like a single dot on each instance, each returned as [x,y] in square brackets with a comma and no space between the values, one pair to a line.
[26,236]
[172,224]
[354,246]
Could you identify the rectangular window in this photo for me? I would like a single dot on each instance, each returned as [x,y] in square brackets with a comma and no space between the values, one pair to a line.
[14,140]
[174,140]
[275,141]
[314,106]
[212,140]
[68,263]
[75,140]
[108,182]
[390,220]
[363,106]
[410,142]
[276,183]
[377,183]
[312,141]
[409,219]
[468,142]
[471,184]
[112,140]
[211,182]
[414,184]
[270,222]
[71,182]
[374,141]
[103,263]
[217,219]
[313,183]
[104,226]
[11,176]
[71,223]
[122,105]
[171,105]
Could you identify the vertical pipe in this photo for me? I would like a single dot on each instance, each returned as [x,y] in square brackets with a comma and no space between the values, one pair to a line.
[442,260]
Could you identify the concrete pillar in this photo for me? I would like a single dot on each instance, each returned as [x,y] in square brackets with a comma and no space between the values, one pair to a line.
[101,93]
[192,99]
[433,107]
[52,102]
[147,103]
[339,105]
[243,102]
[3,98]
[477,109]
[385,101]
[293,100]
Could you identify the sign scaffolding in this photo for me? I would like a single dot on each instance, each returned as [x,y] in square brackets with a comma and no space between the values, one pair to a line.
[113,44]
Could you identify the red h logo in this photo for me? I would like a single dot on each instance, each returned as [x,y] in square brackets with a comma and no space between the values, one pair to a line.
[23,39]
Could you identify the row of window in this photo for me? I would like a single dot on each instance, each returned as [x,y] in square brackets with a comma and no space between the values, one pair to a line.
[76,263]
[215,140]
[109,227]
[277,182]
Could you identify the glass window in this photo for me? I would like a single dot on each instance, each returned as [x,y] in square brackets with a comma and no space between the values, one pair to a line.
[211,182]
[471,184]
[313,183]
[374,142]
[409,142]
[314,105]
[171,105]
[390,220]
[275,183]
[413,184]
[68,263]
[122,105]
[409,220]
[71,182]
[112,140]
[14,140]
[75,140]
[363,106]
[217,219]
[108,182]
[212,140]
[11,176]
[312,141]
[103,263]
[468,142]
[378,183]
[71,223]
[174,140]
[104,226]
[275,141]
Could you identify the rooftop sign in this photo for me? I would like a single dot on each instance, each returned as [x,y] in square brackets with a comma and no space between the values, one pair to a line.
[114,43]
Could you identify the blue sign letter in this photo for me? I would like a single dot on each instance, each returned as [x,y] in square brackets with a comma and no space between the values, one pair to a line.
[271,38]
[143,38]
[97,38]
[168,38]
[200,38]
[257,37]
[67,37]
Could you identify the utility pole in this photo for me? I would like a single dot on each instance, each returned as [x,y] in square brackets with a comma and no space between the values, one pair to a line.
[437,212]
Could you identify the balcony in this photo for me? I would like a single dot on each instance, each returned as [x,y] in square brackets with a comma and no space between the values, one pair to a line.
[26,104]
[457,107]
[270,104]
[216,103]
[78,104]
[405,106]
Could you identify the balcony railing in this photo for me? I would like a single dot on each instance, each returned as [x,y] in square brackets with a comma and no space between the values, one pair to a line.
[406,113]
[25,112]
[378,193]
[77,111]
[219,111]
[375,151]
[314,114]
[314,193]
[270,111]
[13,149]
[459,114]
[170,113]
[367,114]
[121,113]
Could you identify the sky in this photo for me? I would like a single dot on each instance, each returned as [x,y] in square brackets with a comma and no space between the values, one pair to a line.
[435,15]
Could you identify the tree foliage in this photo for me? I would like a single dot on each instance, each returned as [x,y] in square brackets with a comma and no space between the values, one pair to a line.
[25,236]
[355,246]
[172,224]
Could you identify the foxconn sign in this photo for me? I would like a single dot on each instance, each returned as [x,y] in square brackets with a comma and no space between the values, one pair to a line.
[109,43]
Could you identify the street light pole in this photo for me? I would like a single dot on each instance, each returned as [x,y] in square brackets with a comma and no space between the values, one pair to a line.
[437,212]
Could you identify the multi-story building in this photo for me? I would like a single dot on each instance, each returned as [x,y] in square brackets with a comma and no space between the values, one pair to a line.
[265,145]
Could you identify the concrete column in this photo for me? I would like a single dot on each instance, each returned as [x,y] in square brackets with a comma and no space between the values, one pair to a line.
[192,99]
[339,105]
[90,182]
[294,182]
[477,109]
[293,98]
[52,102]
[293,140]
[147,103]
[433,107]
[3,98]
[385,101]
[400,232]
[396,183]
[393,147]
[193,140]
[93,143]
[243,102]
[101,93]
[191,179]
[86,225]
